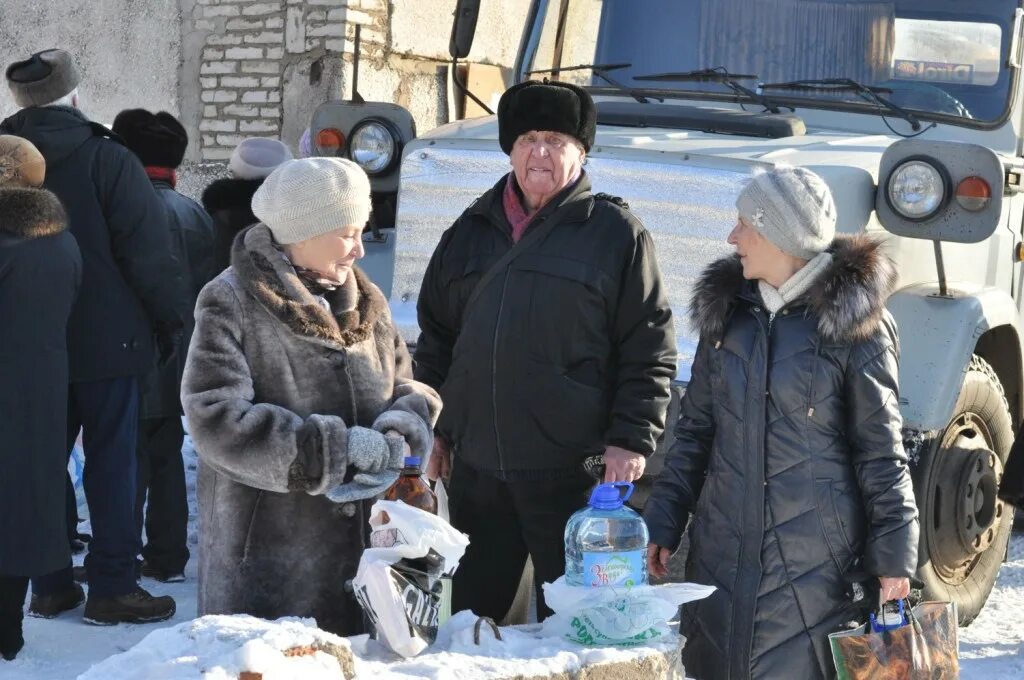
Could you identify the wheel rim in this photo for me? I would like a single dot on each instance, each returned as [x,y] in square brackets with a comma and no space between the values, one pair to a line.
[966,510]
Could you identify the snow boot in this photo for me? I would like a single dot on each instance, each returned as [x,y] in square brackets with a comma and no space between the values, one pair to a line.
[49,606]
[163,575]
[137,606]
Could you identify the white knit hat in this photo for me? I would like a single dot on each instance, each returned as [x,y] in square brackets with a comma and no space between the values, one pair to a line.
[308,197]
[257,157]
[792,208]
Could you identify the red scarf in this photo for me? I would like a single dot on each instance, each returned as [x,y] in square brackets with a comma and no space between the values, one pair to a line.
[515,212]
[159,174]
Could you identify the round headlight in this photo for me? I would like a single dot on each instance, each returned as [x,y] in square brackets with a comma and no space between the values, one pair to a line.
[917,190]
[373,146]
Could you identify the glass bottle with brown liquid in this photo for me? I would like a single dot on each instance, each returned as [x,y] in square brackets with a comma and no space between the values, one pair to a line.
[412,489]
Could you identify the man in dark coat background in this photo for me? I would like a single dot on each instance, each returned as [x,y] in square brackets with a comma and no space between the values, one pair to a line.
[159,141]
[131,299]
[40,271]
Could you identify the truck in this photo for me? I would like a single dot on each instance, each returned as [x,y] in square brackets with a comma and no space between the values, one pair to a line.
[911,110]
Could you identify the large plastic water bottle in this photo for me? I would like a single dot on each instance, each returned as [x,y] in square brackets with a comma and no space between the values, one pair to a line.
[606,542]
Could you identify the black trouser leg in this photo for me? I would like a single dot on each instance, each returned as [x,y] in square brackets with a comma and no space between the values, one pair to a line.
[544,508]
[12,611]
[489,573]
[162,474]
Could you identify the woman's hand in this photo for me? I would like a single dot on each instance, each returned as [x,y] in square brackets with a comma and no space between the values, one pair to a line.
[439,466]
[657,560]
[894,588]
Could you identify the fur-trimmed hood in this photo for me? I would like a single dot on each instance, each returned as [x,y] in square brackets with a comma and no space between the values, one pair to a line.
[848,301]
[230,194]
[266,275]
[31,213]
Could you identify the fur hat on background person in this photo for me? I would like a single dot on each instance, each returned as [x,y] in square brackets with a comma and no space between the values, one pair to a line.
[21,164]
[43,78]
[257,157]
[308,197]
[549,106]
[158,139]
[792,208]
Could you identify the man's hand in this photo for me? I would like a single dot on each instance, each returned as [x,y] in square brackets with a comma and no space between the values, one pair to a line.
[657,560]
[439,465]
[894,587]
[621,465]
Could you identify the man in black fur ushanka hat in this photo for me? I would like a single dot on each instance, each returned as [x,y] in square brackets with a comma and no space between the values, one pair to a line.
[546,328]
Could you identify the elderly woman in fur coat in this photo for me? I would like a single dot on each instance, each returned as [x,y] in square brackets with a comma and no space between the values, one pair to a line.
[788,454]
[299,398]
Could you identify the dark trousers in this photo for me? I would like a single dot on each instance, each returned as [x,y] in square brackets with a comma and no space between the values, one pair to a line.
[506,521]
[107,412]
[161,480]
[12,604]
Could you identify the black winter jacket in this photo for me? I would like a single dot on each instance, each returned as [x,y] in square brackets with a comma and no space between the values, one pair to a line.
[40,271]
[570,349]
[229,202]
[788,455]
[191,235]
[131,284]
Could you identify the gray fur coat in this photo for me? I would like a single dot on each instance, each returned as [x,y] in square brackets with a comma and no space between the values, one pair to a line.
[288,404]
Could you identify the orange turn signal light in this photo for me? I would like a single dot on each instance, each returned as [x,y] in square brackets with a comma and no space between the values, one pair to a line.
[973,193]
[330,140]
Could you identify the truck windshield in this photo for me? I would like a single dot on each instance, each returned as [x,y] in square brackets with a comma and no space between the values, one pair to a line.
[942,58]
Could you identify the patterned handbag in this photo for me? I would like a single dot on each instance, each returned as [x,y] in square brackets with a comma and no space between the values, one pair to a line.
[923,645]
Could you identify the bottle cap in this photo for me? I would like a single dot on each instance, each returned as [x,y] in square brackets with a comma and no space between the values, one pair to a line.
[607,496]
[413,461]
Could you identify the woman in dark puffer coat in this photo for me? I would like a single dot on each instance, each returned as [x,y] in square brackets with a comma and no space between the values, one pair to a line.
[788,451]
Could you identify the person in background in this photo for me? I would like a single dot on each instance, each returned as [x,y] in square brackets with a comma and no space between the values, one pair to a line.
[306,149]
[229,200]
[546,328]
[300,400]
[160,141]
[130,305]
[788,453]
[40,271]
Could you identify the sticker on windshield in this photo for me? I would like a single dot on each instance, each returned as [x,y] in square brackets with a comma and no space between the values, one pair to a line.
[934,71]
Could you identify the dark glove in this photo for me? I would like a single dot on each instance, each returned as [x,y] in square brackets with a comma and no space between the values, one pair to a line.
[167,342]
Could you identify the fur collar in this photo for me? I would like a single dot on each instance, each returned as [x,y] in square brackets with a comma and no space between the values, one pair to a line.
[31,213]
[267,276]
[848,302]
[230,194]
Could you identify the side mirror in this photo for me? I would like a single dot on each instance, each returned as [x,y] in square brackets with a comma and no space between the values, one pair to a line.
[463,28]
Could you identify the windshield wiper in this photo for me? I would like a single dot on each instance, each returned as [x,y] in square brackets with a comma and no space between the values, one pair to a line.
[717,75]
[601,71]
[869,93]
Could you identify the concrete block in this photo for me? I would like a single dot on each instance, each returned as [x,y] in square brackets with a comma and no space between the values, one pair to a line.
[212,54]
[263,8]
[275,52]
[220,11]
[207,125]
[204,25]
[218,67]
[218,96]
[424,28]
[316,15]
[245,53]
[210,111]
[261,67]
[230,140]
[208,82]
[274,23]
[335,30]
[295,30]
[270,112]
[273,37]
[224,40]
[244,24]
[255,97]
[258,126]
[239,81]
[241,111]
[270,82]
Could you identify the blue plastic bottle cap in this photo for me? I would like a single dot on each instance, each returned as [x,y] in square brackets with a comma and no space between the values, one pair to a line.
[412,461]
[607,496]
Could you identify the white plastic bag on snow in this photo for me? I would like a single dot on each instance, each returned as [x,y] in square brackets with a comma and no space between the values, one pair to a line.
[613,616]
[398,583]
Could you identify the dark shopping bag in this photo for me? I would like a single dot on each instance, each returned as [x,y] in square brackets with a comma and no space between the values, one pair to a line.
[923,645]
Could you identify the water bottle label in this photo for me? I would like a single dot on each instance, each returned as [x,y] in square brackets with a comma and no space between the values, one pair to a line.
[613,568]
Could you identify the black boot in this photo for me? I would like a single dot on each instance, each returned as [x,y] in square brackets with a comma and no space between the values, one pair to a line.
[12,602]
[137,606]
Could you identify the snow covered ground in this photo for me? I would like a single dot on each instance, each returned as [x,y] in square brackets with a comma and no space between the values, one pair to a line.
[992,648]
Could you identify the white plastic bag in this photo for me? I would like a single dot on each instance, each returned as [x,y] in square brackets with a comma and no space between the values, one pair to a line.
[398,582]
[613,616]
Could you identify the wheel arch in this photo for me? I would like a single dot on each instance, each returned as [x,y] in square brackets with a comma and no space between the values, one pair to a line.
[1001,348]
